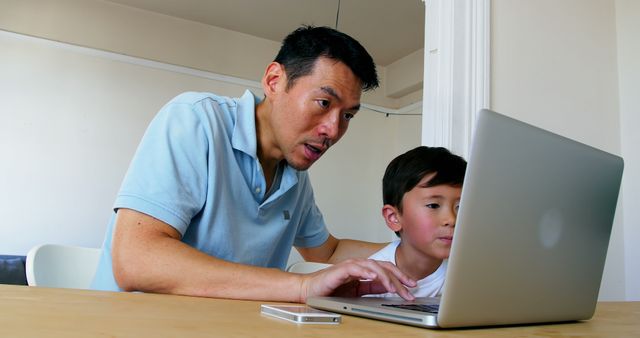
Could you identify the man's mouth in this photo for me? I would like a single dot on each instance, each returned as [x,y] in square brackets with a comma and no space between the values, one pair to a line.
[313,153]
[314,149]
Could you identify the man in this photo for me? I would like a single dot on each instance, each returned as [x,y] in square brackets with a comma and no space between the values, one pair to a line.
[217,193]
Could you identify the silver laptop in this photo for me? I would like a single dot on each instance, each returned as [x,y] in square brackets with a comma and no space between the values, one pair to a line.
[531,237]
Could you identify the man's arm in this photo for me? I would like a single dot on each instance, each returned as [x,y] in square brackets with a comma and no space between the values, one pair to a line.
[149,256]
[335,250]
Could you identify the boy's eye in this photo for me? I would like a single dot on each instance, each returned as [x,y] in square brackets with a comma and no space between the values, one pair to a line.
[433,205]
[348,116]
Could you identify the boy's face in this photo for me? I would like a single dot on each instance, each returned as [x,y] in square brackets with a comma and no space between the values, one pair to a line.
[428,218]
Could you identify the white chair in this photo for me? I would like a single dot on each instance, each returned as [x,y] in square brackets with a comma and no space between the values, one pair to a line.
[306,267]
[61,266]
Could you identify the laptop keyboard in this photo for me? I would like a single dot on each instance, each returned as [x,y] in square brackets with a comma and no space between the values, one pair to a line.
[430,308]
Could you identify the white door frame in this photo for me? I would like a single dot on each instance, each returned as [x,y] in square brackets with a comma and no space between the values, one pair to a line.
[456,71]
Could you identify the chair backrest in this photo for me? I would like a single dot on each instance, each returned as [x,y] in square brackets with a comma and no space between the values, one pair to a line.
[306,267]
[61,266]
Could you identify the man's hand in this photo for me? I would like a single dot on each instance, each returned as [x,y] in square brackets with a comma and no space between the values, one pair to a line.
[356,277]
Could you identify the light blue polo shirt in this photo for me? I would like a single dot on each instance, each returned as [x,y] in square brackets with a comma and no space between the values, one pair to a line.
[197,170]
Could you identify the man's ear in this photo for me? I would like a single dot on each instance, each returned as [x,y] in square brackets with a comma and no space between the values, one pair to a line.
[274,79]
[391,216]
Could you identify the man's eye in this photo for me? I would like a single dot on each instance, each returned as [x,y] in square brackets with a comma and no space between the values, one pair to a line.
[349,116]
[324,103]
[433,205]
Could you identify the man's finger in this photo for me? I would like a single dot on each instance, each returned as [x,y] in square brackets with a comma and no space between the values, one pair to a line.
[401,276]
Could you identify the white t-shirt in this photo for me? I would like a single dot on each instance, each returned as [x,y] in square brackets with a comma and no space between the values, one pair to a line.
[430,286]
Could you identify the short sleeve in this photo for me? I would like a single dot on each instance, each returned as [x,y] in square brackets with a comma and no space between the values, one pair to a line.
[313,230]
[167,178]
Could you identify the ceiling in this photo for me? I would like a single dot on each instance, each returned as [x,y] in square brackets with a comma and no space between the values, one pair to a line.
[389,29]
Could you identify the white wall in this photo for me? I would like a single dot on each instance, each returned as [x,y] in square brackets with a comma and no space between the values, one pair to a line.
[111,27]
[70,120]
[69,126]
[130,31]
[628,34]
[554,64]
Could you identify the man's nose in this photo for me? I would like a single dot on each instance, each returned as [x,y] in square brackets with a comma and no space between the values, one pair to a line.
[330,126]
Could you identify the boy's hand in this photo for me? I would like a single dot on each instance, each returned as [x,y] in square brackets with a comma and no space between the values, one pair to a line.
[356,277]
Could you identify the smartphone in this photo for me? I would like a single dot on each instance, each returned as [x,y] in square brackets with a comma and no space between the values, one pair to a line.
[301,314]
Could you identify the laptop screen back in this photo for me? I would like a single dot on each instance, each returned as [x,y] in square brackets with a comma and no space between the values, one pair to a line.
[535,219]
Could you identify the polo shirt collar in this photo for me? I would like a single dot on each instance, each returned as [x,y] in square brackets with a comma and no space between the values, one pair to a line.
[244,131]
[244,139]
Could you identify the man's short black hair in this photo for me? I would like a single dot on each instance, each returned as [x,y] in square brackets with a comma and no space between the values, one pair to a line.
[301,49]
[406,171]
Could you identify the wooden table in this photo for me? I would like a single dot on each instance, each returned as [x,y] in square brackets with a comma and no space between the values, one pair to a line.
[48,312]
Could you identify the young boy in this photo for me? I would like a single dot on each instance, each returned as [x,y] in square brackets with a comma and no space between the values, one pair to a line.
[421,193]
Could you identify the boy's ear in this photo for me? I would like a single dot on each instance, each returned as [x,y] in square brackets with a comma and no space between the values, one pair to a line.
[274,76]
[391,216]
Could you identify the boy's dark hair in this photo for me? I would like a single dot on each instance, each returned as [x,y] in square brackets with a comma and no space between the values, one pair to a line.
[406,171]
[301,48]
